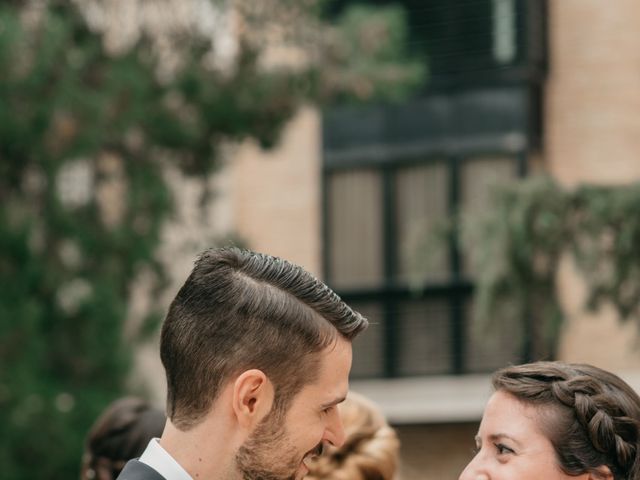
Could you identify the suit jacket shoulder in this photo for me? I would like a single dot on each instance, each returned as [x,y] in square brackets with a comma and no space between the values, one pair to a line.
[135,470]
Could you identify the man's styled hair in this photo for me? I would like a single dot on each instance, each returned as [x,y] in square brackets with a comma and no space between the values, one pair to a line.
[240,310]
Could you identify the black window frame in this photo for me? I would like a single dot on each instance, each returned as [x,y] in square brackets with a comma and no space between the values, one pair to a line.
[457,143]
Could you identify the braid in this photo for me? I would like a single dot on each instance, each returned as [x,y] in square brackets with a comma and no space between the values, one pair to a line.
[609,430]
[597,415]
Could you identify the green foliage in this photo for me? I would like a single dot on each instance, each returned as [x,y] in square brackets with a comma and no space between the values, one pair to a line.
[65,108]
[605,245]
[373,42]
[530,224]
[84,136]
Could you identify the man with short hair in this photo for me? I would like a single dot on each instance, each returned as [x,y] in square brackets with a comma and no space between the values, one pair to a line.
[257,354]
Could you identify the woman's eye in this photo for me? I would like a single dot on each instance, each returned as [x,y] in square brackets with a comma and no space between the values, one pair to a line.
[503,449]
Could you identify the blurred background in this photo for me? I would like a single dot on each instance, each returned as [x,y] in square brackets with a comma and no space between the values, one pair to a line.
[463,173]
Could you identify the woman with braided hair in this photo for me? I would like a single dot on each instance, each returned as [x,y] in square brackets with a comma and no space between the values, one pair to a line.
[370,450]
[558,421]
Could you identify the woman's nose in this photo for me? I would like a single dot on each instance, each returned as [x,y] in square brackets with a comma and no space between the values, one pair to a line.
[469,475]
[473,471]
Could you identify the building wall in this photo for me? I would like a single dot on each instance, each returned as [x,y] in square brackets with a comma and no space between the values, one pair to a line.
[592,135]
[435,452]
[592,125]
[276,196]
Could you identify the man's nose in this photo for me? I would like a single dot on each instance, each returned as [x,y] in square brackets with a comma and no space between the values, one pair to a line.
[334,433]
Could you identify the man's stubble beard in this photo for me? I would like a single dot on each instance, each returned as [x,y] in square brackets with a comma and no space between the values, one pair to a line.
[267,454]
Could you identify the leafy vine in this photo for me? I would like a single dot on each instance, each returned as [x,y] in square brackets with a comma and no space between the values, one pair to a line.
[517,246]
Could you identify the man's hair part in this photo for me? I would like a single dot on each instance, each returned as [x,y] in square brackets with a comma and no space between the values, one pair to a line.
[240,310]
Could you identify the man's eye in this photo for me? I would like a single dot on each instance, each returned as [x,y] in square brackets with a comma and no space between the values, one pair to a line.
[503,449]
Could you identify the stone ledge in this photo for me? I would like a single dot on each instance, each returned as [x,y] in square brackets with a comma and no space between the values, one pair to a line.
[440,399]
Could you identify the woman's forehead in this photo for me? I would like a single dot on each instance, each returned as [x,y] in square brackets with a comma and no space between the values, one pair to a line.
[506,414]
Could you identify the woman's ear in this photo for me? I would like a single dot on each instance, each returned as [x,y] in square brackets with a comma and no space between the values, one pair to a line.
[253,395]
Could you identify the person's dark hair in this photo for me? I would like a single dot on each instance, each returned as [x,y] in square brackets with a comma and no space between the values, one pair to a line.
[591,416]
[120,433]
[240,310]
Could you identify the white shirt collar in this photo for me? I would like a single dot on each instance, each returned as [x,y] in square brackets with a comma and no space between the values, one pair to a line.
[159,459]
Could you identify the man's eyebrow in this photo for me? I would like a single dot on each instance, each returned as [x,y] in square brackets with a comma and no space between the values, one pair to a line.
[333,402]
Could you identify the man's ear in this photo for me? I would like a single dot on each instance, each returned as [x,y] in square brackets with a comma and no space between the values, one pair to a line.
[253,395]
[602,473]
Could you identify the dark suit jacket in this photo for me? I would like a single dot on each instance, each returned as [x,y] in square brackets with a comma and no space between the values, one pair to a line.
[135,470]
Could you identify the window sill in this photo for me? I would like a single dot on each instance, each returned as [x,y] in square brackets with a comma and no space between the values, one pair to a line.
[419,400]
[440,399]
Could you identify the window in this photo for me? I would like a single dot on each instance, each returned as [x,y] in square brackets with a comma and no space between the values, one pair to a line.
[388,191]
[473,42]
[395,176]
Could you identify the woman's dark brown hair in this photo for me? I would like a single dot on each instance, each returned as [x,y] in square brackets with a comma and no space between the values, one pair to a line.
[121,433]
[591,416]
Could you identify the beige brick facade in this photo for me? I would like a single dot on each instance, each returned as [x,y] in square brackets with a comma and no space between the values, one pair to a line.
[592,126]
[592,135]
[275,194]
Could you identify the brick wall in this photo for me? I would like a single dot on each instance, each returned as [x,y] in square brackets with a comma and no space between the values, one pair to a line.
[592,125]
[276,198]
[592,134]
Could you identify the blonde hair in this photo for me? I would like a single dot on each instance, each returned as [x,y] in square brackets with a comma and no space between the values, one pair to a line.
[370,451]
